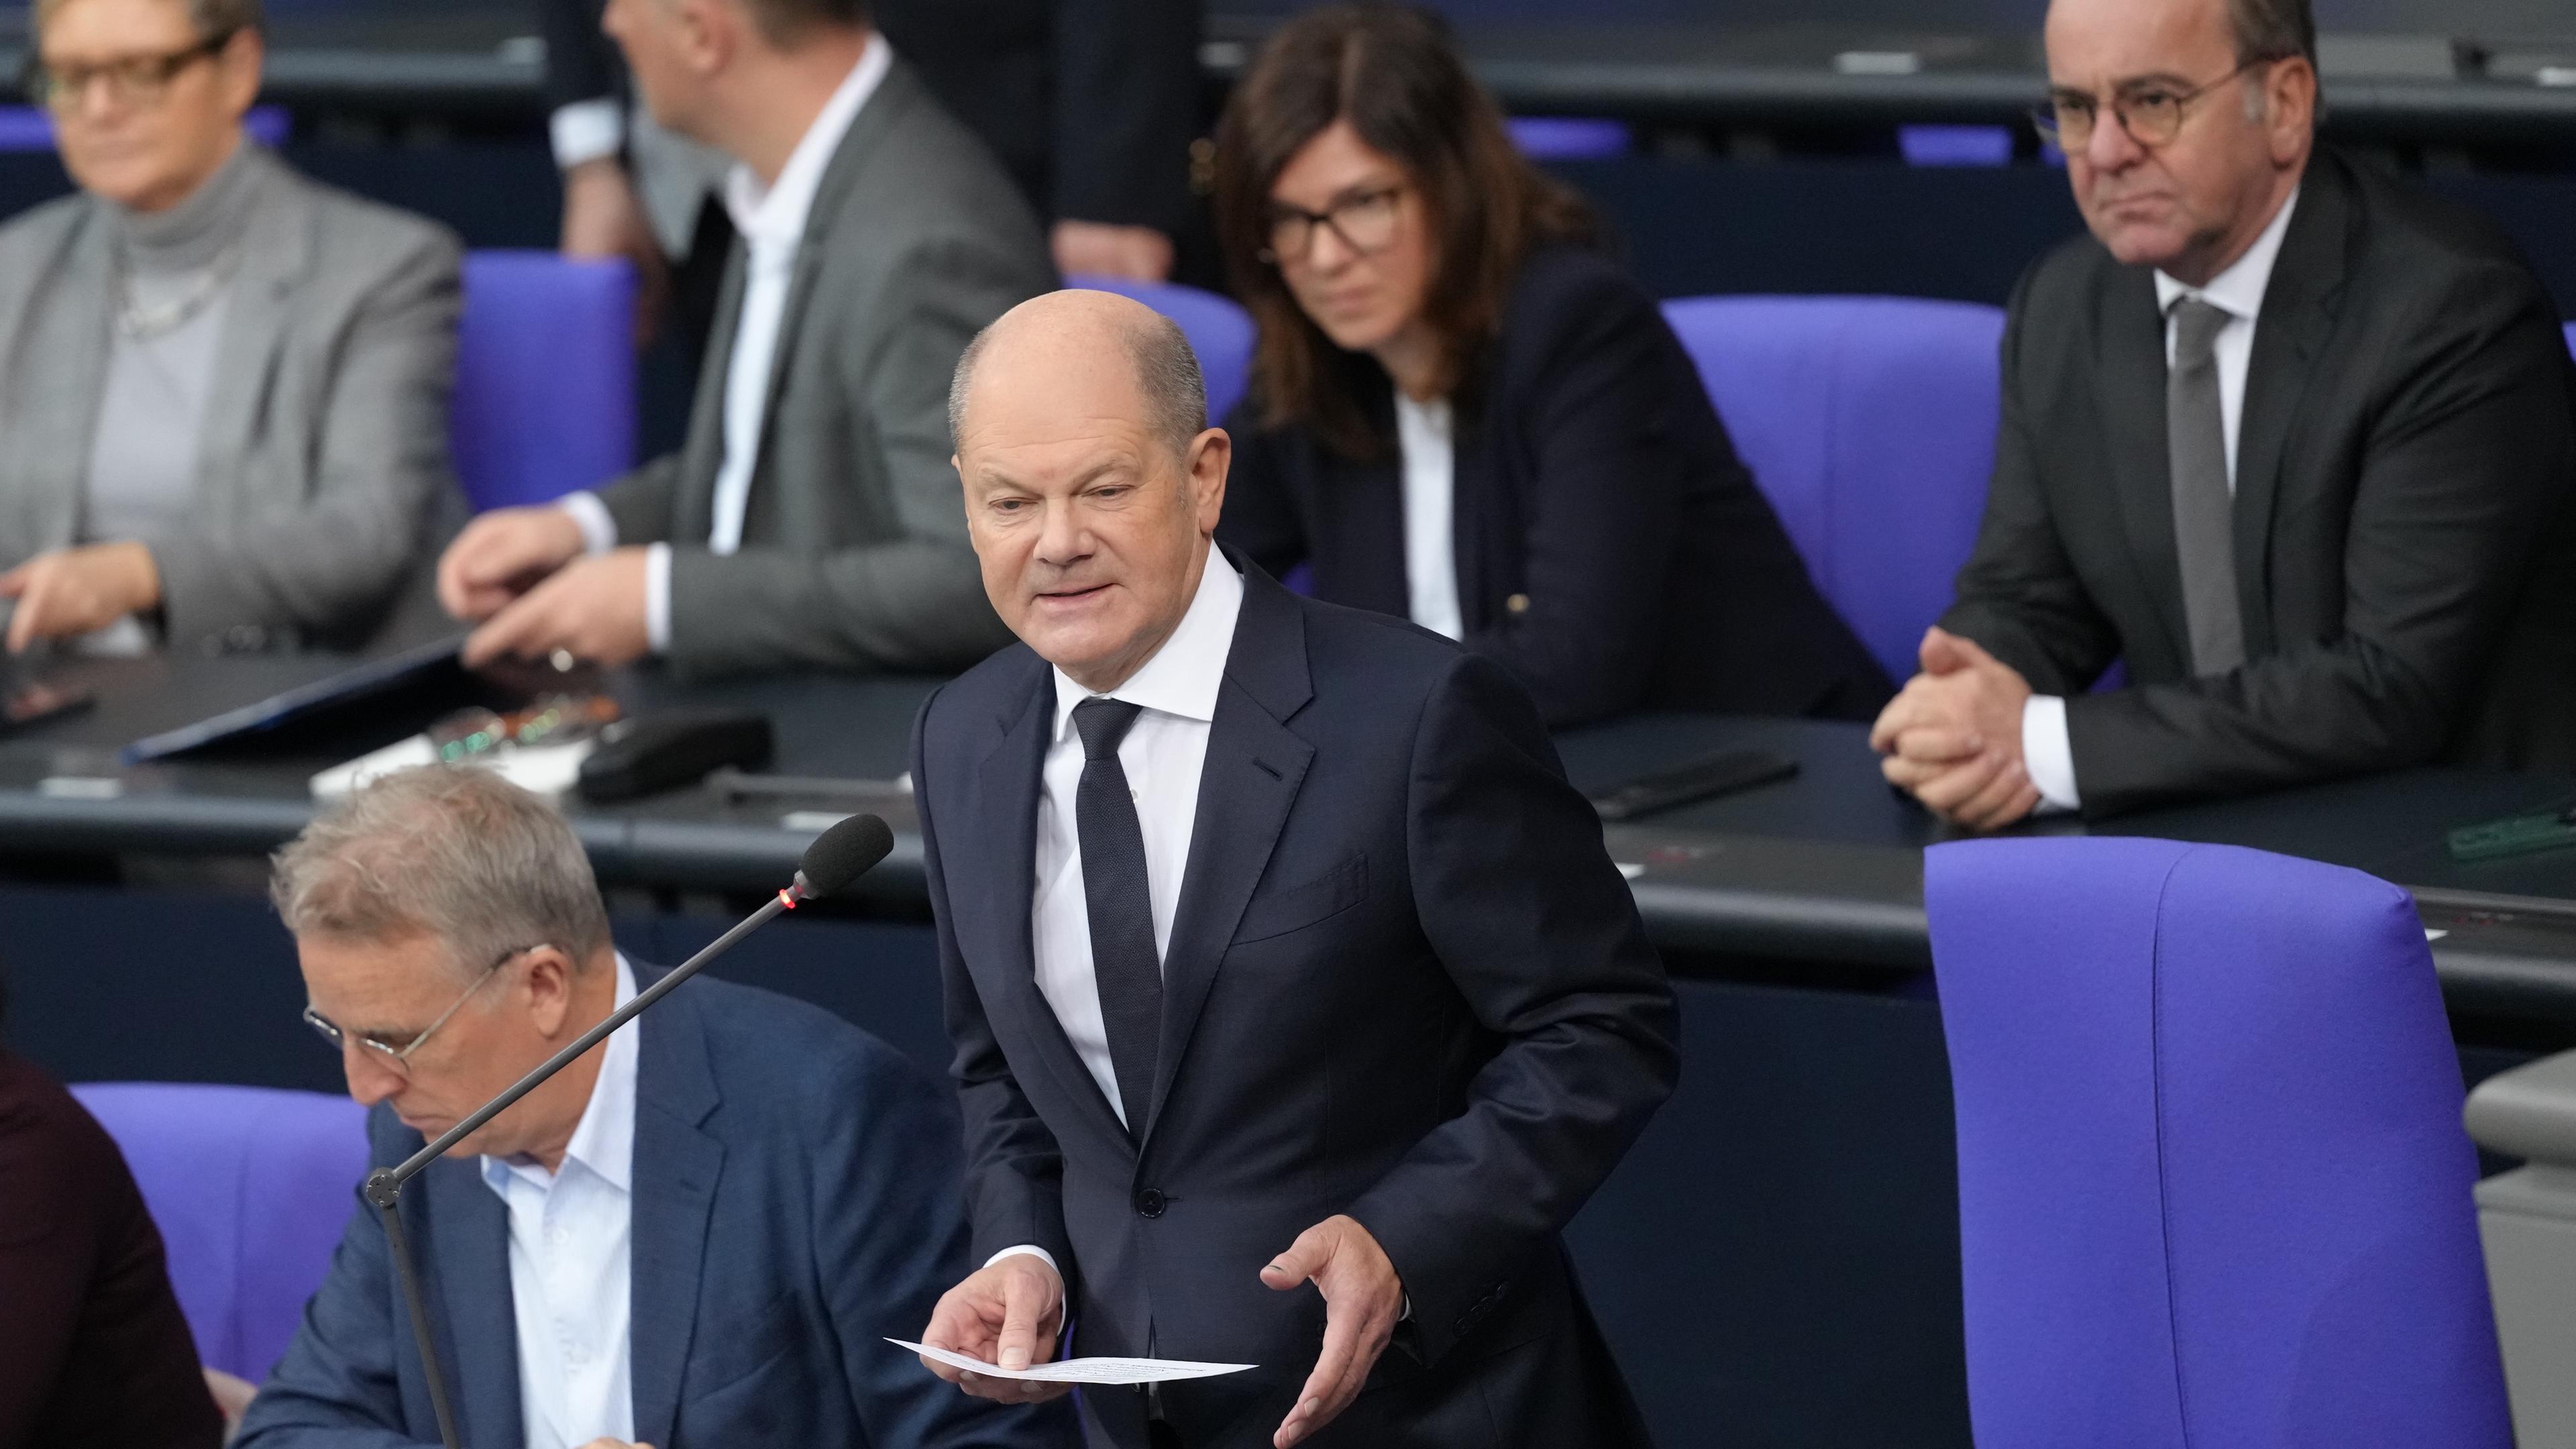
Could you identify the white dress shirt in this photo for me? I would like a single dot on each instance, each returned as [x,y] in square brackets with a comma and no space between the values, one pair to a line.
[571,1258]
[771,221]
[2238,291]
[1422,432]
[1162,754]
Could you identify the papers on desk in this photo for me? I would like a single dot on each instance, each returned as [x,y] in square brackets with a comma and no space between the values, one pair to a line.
[1083,1370]
[549,770]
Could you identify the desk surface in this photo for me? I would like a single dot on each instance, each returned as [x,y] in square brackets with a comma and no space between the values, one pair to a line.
[1822,870]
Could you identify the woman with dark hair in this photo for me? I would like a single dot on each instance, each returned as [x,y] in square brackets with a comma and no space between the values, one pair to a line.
[1464,413]
[93,1351]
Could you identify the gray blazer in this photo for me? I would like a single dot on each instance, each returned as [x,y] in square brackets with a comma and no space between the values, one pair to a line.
[324,454]
[854,552]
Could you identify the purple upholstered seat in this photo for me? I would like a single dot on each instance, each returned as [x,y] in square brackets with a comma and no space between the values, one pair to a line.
[1869,423]
[1220,331]
[2571,336]
[545,377]
[251,1188]
[1571,138]
[2213,1187]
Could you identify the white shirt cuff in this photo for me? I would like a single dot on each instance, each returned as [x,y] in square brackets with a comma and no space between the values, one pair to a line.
[586,131]
[598,529]
[1032,1250]
[657,597]
[2047,753]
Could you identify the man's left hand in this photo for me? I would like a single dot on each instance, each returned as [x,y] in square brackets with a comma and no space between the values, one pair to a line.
[1363,1298]
[75,590]
[1952,738]
[591,608]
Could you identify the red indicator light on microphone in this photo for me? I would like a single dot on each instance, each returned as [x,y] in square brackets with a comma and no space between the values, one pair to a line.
[787,898]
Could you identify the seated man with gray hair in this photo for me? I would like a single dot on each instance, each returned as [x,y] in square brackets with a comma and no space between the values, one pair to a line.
[699,1233]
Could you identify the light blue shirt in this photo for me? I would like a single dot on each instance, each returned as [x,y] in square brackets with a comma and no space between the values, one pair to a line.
[571,1235]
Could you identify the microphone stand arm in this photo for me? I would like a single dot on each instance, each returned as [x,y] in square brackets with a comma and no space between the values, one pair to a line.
[384,1185]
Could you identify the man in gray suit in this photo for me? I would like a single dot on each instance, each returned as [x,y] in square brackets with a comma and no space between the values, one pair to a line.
[810,518]
[223,388]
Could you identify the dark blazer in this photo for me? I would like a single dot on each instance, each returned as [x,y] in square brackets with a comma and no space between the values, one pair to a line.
[1405,982]
[1091,105]
[854,552]
[2405,472]
[1611,549]
[94,1353]
[794,1205]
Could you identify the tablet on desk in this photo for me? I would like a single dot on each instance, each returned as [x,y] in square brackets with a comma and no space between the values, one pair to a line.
[360,708]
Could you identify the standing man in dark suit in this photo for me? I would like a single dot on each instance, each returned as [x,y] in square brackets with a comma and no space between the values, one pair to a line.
[2290,439]
[1278,951]
[808,520]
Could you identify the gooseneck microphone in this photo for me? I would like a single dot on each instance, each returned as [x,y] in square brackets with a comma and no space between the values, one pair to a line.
[837,857]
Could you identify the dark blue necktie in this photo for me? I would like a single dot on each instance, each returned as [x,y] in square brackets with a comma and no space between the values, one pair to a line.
[1124,963]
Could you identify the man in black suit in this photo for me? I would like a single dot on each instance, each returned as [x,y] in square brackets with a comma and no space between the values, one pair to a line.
[2292,441]
[1278,950]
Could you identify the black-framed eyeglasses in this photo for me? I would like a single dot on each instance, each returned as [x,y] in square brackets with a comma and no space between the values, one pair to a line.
[398,1057]
[1364,220]
[2152,112]
[140,80]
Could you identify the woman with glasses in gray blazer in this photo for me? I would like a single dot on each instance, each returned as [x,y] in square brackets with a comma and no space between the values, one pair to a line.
[223,387]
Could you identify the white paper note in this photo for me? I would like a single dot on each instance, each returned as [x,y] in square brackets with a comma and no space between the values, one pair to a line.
[1083,1370]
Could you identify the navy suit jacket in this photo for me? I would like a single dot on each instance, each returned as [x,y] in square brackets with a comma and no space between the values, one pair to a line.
[1610,547]
[794,1205]
[1404,982]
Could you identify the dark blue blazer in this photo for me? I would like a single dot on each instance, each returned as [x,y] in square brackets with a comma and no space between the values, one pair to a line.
[1405,982]
[1611,549]
[794,1205]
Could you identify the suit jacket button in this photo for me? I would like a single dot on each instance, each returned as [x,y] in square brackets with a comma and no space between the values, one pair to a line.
[1517,604]
[1149,1203]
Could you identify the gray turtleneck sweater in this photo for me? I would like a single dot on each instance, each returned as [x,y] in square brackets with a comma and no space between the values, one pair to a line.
[152,404]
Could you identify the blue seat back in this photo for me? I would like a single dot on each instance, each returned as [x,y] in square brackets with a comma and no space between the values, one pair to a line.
[1869,422]
[251,1188]
[2213,1185]
[545,377]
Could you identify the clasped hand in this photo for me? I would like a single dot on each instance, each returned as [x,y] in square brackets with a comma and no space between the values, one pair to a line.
[1010,1313]
[1952,736]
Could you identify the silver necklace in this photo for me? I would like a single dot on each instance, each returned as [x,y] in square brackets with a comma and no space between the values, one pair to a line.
[137,322]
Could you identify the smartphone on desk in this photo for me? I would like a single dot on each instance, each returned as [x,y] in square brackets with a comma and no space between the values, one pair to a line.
[1701,779]
[29,703]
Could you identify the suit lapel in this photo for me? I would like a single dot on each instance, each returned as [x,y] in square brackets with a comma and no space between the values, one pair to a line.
[1254,766]
[274,260]
[1003,955]
[2299,308]
[677,1165]
[462,1234]
[2132,400]
[702,457]
[58,371]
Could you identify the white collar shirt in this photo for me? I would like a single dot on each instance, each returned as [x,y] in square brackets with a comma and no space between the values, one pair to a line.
[1163,754]
[571,1252]
[2238,292]
[2048,752]
[1424,437]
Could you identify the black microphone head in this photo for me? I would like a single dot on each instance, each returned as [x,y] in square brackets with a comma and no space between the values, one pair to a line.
[842,854]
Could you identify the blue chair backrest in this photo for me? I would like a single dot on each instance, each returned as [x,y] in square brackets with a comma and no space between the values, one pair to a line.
[545,377]
[2213,1186]
[1869,423]
[1219,330]
[251,1188]
[1571,138]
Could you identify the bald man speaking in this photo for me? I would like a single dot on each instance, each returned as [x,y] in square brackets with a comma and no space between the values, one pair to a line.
[1297,1005]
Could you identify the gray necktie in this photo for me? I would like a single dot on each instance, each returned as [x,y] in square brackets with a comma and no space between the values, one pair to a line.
[2204,507]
